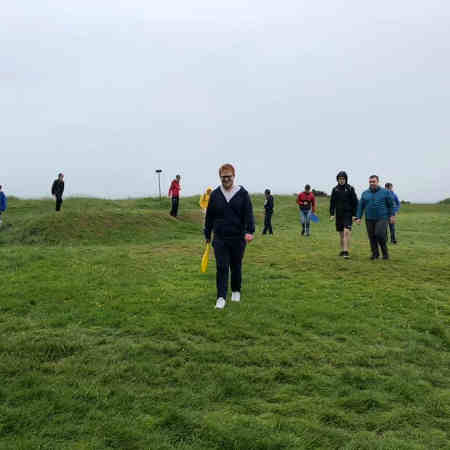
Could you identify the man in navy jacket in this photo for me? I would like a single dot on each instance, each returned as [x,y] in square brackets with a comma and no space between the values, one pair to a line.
[58,191]
[378,205]
[390,188]
[3,204]
[268,212]
[230,217]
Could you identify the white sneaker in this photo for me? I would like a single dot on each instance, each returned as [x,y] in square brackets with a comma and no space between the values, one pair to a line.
[235,296]
[220,304]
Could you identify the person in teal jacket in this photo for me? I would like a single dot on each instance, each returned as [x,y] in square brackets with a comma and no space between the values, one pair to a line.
[378,206]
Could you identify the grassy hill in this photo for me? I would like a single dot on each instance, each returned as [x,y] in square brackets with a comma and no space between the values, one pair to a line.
[109,338]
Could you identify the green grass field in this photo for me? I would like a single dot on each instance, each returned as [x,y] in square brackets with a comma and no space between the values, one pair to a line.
[109,338]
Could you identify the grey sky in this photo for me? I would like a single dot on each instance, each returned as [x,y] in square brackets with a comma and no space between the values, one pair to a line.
[291,92]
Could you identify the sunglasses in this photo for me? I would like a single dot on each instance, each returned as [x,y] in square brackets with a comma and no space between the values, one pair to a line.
[226,177]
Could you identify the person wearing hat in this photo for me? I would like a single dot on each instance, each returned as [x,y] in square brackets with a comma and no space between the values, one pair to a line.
[58,191]
[343,205]
[268,212]
[3,204]
[204,200]
[307,204]
[230,217]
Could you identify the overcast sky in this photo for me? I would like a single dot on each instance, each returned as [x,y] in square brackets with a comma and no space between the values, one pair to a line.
[291,92]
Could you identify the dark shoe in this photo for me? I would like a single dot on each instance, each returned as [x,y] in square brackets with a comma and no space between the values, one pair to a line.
[303,232]
[346,255]
[374,257]
[385,256]
[393,242]
[342,253]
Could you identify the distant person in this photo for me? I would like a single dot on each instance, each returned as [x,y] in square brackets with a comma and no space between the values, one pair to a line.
[307,204]
[174,193]
[230,217]
[392,226]
[58,191]
[268,212]
[343,205]
[204,200]
[3,204]
[379,207]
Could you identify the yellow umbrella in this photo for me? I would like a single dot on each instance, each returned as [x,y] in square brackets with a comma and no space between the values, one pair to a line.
[205,258]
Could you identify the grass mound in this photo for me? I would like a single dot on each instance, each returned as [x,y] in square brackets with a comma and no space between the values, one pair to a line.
[104,228]
[96,222]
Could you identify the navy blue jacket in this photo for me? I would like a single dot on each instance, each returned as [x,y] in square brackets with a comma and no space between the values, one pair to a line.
[58,188]
[3,202]
[396,201]
[377,204]
[268,205]
[229,220]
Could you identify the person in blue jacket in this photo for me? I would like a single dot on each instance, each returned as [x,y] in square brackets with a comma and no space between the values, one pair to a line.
[3,204]
[377,203]
[390,188]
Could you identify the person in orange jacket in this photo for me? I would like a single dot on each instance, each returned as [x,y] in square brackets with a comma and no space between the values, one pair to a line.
[307,204]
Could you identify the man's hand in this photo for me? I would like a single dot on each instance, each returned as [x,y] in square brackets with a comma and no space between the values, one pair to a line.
[392,219]
[358,221]
[248,237]
[331,218]
[354,219]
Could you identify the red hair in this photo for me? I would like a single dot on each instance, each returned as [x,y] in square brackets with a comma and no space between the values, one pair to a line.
[227,167]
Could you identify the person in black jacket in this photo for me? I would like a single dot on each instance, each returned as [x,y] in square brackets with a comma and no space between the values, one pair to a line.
[230,216]
[343,205]
[58,191]
[268,212]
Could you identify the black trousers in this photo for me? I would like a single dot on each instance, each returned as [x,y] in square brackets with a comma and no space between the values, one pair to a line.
[377,232]
[175,204]
[59,202]
[392,230]
[268,223]
[229,254]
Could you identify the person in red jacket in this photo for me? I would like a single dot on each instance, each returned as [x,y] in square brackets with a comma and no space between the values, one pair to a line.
[307,204]
[174,193]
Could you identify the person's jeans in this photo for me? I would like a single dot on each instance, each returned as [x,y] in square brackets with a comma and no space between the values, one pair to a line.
[377,232]
[229,254]
[392,232]
[175,204]
[305,219]
[268,223]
